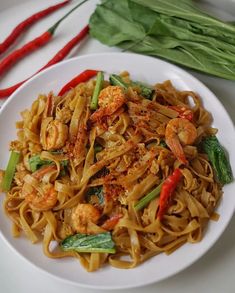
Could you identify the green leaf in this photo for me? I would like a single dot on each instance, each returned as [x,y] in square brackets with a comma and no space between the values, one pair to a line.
[95,195]
[190,54]
[102,243]
[36,163]
[175,31]
[187,10]
[113,18]
[218,158]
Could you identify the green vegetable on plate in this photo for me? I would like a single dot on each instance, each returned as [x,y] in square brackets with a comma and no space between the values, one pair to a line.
[218,158]
[144,201]
[35,163]
[10,171]
[98,88]
[145,91]
[101,243]
[95,195]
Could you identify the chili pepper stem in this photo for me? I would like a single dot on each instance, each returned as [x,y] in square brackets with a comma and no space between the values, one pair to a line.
[33,45]
[60,55]
[52,29]
[28,22]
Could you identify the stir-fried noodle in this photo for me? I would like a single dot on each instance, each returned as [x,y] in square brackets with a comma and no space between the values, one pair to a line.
[84,171]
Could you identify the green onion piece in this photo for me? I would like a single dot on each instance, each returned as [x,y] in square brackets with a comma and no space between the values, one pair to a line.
[147,198]
[10,171]
[98,87]
[146,92]
[102,243]
[118,81]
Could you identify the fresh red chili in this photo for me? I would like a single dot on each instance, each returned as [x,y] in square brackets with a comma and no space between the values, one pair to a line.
[67,48]
[33,45]
[21,27]
[82,77]
[57,58]
[168,187]
[183,112]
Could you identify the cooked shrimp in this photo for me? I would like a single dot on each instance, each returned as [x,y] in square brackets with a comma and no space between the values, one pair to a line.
[81,141]
[56,135]
[49,107]
[183,112]
[82,215]
[180,132]
[42,200]
[43,171]
[110,99]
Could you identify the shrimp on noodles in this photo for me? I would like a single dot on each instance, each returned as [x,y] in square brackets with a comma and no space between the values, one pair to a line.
[180,132]
[43,199]
[55,136]
[110,100]
[82,215]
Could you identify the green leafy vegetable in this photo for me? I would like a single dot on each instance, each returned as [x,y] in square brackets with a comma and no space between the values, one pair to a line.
[10,171]
[218,159]
[102,243]
[98,87]
[163,144]
[146,92]
[95,195]
[35,163]
[147,198]
[174,30]
[64,167]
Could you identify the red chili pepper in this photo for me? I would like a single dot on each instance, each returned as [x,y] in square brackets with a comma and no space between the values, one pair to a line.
[168,187]
[82,77]
[57,58]
[67,48]
[183,112]
[33,45]
[21,27]
[111,222]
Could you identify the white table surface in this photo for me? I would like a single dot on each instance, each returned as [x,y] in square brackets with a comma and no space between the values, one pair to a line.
[214,272]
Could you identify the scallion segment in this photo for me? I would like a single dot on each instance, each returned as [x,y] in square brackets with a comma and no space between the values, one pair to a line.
[147,198]
[98,87]
[145,91]
[10,171]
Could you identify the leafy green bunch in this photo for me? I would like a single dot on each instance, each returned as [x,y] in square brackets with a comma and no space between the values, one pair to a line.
[177,31]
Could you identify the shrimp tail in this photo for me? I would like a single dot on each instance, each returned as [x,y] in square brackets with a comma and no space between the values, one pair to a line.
[177,150]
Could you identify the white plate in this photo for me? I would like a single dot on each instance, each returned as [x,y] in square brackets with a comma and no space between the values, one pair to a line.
[142,68]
